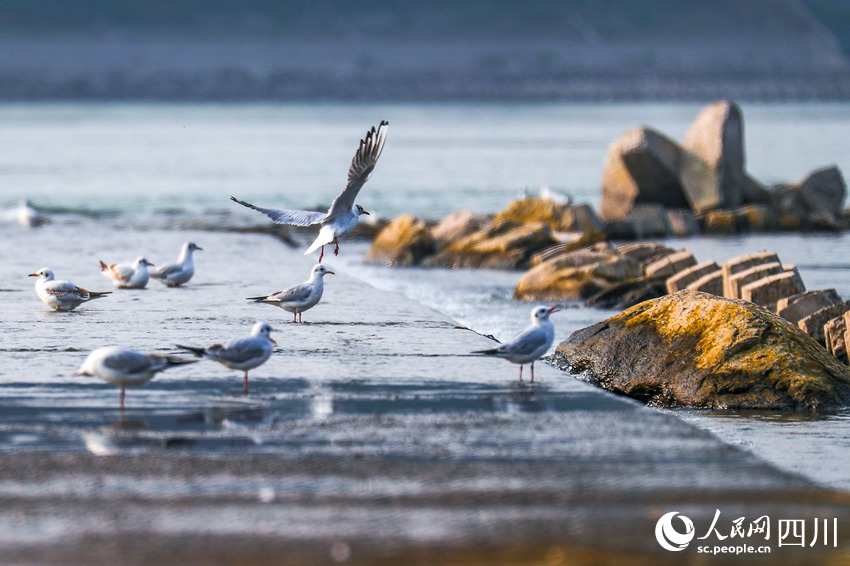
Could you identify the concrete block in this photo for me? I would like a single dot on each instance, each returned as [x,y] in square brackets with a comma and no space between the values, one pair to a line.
[768,290]
[814,323]
[670,265]
[687,276]
[742,263]
[682,223]
[833,333]
[711,283]
[754,273]
[799,306]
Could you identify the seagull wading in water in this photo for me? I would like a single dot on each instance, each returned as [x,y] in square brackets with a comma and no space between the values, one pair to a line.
[299,298]
[343,214]
[530,344]
[241,353]
[61,295]
[128,275]
[127,368]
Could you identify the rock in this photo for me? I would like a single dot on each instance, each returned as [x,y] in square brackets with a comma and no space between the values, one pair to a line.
[687,276]
[799,306]
[558,217]
[754,273]
[670,265]
[696,350]
[682,223]
[756,218]
[712,169]
[719,221]
[626,294]
[823,191]
[767,291]
[834,334]
[602,250]
[503,245]
[644,252]
[711,284]
[644,221]
[813,323]
[458,225]
[641,167]
[742,263]
[405,241]
[567,279]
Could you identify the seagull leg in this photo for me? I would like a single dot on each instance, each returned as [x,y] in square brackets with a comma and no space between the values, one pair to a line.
[532,372]
[299,316]
[121,402]
[295,316]
[520,372]
[336,249]
[321,254]
[245,388]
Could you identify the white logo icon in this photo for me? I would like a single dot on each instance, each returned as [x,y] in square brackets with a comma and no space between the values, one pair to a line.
[671,539]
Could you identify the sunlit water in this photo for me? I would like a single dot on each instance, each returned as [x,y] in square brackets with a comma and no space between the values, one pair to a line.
[139,164]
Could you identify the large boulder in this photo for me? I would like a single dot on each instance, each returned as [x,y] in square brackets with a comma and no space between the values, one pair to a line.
[502,245]
[693,349]
[712,169]
[559,217]
[575,277]
[814,202]
[405,241]
[641,167]
[458,225]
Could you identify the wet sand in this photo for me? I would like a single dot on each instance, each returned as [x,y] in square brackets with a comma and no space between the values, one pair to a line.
[371,436]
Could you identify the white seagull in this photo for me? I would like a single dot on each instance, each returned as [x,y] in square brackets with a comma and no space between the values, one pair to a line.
[530,344]
[241,353]
[178,273]
[128,275]
[127,368]
[299,298]
[28,216]
[61,295]
[343,214]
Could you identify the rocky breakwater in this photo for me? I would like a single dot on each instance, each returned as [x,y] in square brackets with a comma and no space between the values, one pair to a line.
[654,187]
[693,349]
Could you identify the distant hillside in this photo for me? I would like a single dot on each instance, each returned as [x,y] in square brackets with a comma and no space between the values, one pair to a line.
[430,49]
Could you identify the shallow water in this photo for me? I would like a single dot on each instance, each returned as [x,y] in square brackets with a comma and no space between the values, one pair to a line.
[137,167]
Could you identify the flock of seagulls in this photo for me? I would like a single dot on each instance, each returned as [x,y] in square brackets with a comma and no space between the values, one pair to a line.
[129,368]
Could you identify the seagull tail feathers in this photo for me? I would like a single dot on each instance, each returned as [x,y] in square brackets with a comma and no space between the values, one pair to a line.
[199,352]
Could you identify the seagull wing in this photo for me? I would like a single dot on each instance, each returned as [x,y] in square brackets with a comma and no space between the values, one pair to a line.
[295,293]
[525,343]
[242,350]
[167,270]
[64,290]
[283,216]
[361,169]
[132,363]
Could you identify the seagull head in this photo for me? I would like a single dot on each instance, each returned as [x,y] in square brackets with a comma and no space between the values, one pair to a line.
[143,261]
[43,273]
[360,210]
[264,329]
[193,247]
[542,313]
[321,270]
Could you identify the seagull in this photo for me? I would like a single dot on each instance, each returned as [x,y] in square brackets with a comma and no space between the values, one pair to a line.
[28,216]
[178,273]
[299,298]
[127,368]
[128,275]
[530,344]
[61,295]
[343,214]
[241,353]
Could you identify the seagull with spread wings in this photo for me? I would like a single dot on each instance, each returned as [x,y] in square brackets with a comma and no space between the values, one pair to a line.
[343,214]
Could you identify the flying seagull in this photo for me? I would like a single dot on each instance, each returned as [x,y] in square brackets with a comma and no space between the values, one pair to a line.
[343,214]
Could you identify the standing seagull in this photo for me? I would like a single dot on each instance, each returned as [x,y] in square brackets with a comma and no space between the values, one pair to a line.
[128,275]
[27,215]
[61,295]
[530,344]
[241,353]
[178,273]
[343,214]
[299,298]
[127,368]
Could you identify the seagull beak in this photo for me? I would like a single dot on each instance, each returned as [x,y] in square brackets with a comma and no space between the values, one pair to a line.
[33,275]
[329,272]
[199,249]
[553,308]
[151,264]
[365,212]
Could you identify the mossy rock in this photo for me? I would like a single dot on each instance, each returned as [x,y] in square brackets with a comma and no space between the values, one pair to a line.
[558,217]
[567,278]
[504,245]
[692,349]
[405,241]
